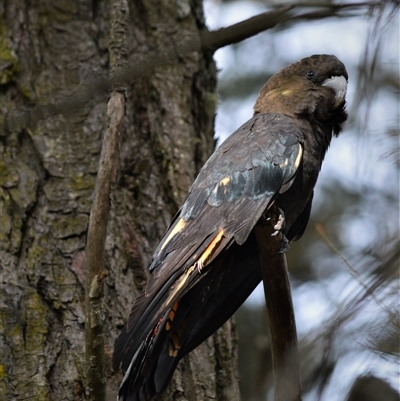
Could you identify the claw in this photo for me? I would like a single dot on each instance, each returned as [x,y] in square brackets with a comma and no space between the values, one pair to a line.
[279,226]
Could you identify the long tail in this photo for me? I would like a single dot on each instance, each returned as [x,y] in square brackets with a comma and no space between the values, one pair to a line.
[231,277]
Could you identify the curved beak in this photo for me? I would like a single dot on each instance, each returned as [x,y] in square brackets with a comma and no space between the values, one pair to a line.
[339,85]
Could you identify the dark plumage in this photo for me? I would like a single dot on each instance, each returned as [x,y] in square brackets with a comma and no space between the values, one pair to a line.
[207,262]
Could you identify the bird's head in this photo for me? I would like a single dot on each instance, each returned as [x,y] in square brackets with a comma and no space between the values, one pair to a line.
[314,88]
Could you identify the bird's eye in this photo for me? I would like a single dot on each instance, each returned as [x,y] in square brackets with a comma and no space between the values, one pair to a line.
[310,75]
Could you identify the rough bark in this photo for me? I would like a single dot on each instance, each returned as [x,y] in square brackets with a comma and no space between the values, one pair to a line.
[47,181]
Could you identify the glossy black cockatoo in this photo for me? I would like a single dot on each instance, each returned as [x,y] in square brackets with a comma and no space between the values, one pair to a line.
[207,262]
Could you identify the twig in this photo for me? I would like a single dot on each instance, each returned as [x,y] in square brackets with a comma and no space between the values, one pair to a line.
[214,40]
[368,291]
[287,382]
[99,214]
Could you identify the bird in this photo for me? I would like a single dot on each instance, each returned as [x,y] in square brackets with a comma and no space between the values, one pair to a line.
[207,262]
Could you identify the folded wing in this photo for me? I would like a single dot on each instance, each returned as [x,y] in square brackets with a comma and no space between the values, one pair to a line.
[204,256]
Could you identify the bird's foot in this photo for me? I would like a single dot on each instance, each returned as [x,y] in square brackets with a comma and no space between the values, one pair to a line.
[266,220]
[278,227]
[280,224]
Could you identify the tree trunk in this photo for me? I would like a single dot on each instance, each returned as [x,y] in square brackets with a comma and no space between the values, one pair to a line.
[47,180]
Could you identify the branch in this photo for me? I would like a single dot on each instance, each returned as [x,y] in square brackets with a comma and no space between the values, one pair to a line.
[285,358]
[214,40]
[207,41]
[99,214]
